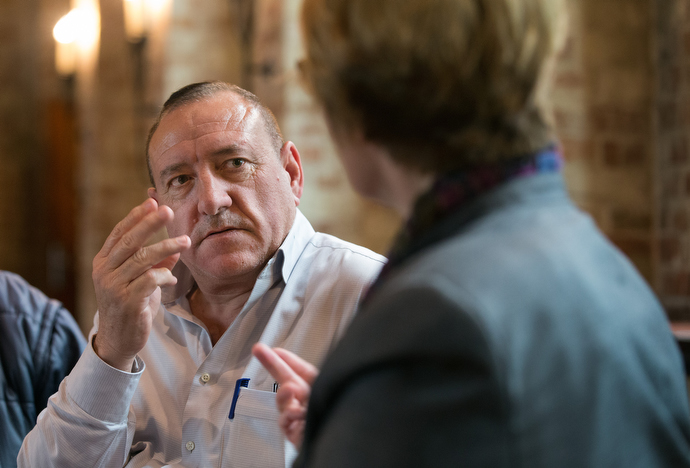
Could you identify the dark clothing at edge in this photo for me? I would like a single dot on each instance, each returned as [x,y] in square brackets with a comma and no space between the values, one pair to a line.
[39,344]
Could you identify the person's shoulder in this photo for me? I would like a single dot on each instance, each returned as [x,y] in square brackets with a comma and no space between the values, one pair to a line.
[330,259]
[327,244]
[22,301]
[9,279]
[18,297]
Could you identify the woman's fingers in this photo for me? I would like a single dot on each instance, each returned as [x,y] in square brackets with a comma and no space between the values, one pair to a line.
[304,369]
[295,376]
[275,365]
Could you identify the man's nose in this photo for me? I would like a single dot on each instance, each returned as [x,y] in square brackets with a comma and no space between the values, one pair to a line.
[213,194]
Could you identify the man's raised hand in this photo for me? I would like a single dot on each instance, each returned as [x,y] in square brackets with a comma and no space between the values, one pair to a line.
[295,377]
[127,276]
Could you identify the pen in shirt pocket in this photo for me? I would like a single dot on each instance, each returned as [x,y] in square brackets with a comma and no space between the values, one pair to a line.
[238,386]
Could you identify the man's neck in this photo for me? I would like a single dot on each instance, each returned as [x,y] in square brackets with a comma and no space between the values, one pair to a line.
[218,311]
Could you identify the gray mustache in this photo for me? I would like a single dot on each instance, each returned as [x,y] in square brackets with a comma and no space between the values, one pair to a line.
[221,221]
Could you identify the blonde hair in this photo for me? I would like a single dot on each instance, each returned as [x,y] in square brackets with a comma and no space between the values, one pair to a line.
[443,84]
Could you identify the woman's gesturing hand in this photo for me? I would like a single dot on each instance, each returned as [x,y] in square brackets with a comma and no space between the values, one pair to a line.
[295,377]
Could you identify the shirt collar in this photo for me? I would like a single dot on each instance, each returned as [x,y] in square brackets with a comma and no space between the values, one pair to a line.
[280,266]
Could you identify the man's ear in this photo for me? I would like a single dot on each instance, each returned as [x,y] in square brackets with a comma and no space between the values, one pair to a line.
[153,194]
[292,163]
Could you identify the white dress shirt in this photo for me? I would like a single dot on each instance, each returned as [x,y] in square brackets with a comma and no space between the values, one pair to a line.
[174,408]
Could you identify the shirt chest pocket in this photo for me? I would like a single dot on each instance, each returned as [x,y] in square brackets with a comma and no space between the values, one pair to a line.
[253,437]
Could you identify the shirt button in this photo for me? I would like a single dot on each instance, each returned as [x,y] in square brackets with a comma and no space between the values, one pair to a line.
[204,378]
[190,445]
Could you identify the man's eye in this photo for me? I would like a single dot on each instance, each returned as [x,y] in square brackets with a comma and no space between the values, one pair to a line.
[235,163]
[179,180]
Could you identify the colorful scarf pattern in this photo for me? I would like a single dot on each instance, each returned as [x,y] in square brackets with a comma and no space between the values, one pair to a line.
[451,192]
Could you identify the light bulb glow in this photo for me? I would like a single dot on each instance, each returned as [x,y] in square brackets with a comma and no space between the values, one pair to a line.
[135,19]
[141,17]
[76,37]
[155,7]
[80,25]
[65,30]
[89,26]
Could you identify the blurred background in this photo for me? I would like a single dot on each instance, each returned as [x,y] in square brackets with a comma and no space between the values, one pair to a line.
[77,99]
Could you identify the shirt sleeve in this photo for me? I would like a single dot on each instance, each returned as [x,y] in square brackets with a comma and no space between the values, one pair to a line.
[65,344]
[89,421]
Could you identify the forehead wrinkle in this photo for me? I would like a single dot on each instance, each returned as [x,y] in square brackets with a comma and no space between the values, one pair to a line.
[195,141]
[248,118]
[172,146]
[172,139]
[240,115]
[167,143]
[206,126]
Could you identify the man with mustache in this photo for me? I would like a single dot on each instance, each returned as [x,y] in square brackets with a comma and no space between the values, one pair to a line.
[168,377]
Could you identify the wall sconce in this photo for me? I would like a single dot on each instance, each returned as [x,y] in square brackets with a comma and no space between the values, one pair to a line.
[135,20]
[76,31]
[65,36]
[140,16]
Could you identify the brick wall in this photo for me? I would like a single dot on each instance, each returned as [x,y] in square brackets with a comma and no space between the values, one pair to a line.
[603,93]
[672,170]
[29,94]
[201,45]
[18,145]
[329,202]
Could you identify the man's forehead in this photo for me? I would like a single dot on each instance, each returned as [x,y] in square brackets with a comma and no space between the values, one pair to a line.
[221,113]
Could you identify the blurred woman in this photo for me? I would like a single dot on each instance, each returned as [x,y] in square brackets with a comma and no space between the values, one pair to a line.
[505,330]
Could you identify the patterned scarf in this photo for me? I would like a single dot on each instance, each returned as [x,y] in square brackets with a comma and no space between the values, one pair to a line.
[451,192]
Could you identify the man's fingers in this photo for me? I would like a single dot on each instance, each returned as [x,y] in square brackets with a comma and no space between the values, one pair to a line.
[135,215]
[168,262]
[134,239]
[303,368]
[146,284]
[163,254]
[274,364]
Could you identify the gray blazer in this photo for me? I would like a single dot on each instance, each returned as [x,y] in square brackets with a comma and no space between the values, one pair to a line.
[519,338]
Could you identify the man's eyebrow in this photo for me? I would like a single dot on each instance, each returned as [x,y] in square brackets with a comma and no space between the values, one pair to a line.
[172,169]
[227,150]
